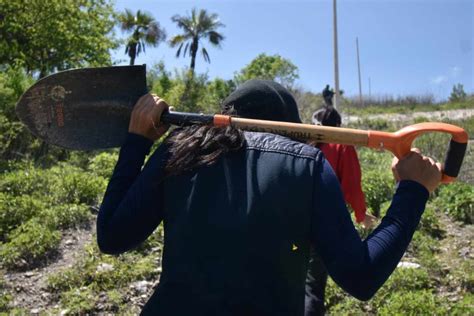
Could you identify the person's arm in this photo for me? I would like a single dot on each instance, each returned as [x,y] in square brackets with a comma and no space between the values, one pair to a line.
[361,267]
[131,208]
[350,174]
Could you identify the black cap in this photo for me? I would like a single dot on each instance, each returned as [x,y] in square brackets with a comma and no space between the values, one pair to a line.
[263,100]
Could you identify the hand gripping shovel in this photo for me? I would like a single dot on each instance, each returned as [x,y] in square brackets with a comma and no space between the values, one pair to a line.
[90,109]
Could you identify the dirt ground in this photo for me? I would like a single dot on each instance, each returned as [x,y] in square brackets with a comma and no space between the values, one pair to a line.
[29,288]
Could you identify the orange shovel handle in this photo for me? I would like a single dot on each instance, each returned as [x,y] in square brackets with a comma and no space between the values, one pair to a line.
[400,142]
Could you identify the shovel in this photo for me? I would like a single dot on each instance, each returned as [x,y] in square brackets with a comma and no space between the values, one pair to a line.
[90,108]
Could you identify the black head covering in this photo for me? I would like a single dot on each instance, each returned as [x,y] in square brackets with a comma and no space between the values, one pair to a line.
[263,100]
[327,116]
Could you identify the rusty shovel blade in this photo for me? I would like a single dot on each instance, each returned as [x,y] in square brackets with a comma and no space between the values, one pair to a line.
[83,109]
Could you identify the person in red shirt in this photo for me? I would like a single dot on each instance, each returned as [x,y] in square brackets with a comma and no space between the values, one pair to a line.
[345,163]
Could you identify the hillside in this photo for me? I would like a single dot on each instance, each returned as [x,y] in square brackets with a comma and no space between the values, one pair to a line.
[51,263]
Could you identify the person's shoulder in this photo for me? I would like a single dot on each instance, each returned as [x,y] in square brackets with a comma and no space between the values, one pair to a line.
[279,144]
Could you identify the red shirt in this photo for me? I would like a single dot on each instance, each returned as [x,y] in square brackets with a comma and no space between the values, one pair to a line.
[343,159]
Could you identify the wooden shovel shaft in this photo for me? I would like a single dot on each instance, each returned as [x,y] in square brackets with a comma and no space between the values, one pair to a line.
[322,134]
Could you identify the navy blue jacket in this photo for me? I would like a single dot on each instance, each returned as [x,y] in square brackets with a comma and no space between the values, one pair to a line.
[238,233]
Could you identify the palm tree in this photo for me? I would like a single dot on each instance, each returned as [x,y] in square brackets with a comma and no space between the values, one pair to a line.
[196,27]
[145,31]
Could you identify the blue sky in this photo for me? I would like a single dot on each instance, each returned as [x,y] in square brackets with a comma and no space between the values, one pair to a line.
[406,47]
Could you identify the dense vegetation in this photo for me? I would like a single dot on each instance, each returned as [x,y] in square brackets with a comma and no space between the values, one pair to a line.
[49,196]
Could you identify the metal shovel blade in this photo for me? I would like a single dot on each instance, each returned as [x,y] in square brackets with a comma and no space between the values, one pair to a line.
[83,108]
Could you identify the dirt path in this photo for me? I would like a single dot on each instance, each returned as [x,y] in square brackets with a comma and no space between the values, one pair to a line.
[29,288]
[455,250]
[435,115]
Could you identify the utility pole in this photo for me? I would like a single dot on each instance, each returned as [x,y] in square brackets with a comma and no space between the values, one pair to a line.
[336,61]
[361,100]
[370,92]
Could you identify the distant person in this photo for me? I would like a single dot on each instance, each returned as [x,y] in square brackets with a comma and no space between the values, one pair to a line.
[328,95]
[343,159]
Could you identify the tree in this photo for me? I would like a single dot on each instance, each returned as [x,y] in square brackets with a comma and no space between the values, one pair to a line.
[159,79]
[200,25]
[269,68]
[145,31]
[47,36]
[458,93]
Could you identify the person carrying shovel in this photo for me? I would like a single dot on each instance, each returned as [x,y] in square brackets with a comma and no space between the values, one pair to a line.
[242,209]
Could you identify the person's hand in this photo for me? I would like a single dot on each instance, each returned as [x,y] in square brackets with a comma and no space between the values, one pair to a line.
[369,221]
[145,118]
[419,168]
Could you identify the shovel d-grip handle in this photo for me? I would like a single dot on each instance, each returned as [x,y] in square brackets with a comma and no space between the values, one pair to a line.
[400,143]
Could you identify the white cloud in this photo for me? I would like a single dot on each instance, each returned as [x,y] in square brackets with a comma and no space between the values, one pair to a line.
[439,80]
[455,71]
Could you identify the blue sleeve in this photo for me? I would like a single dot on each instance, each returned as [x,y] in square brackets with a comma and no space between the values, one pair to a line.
[361,267]
[132,205]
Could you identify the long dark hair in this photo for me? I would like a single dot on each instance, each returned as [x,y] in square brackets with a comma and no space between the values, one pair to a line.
[195,146]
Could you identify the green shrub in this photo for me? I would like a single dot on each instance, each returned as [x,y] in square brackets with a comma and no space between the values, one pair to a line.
[430,223]
[96,273]
[29,245]
[349,307]
[384,208]
[373,159]
[80,158]
[464,306]
[413,303]
[424,247]
[7,166]
[30,181]
[103,164]
[115,300]
[334,294]
[457,200]
[66,216]
[459,274]
[408,279]
[60,184]
[67,280]
[72,185]
[15,210]
[88,272]
[13,136]
[378,188]
[377,124]
[5,297]
[79,301]
[403,105]
[401,280]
